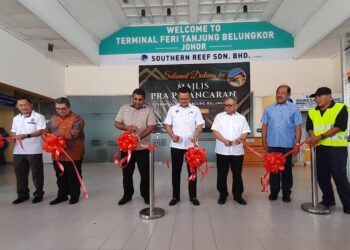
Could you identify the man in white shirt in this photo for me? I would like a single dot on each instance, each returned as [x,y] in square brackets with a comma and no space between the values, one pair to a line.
[184,123]
[230,129]
[27,128]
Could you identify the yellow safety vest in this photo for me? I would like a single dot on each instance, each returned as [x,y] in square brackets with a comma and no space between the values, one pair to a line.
[324,123]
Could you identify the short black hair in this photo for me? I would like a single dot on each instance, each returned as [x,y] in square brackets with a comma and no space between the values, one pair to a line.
[63,100]
[284,86]
[24,98]
[139,92]
[184,90]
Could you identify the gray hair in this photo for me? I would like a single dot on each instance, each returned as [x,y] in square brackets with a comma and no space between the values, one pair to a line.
[232,98]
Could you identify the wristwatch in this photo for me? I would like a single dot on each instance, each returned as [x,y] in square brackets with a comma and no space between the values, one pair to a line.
[28,136]
[322,136]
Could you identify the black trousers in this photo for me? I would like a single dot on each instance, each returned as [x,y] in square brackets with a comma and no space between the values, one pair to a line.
[2,156]
[223,162]
[285,176]
[68,183]
[177,158]
[331,162]
[141,157]
[22,165]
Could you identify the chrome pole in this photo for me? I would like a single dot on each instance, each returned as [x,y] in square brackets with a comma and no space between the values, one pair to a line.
[314,177]
[151,212]
[314,207]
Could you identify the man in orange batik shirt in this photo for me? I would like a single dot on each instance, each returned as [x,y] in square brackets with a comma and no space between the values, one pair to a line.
[70,126]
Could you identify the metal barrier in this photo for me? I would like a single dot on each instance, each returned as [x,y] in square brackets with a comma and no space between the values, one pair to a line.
[314,207]
[151,212]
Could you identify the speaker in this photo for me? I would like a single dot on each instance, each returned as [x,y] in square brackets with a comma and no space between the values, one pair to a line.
[50,47]
[245,8]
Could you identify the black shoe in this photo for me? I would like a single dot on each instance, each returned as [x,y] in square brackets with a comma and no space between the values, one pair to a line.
[73,201]
[58,200]
[19,200]
[37,199]
[195,201]
[273,197]
[146,200]
[286,199]
[222,200]
[327,204]
[124,200]
[173,201]
[240,201]
[346,210]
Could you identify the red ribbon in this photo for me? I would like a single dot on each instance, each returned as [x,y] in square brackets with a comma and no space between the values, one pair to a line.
[55,145]
[2,141]
[195,158]
[154,147]
[127,143]
[274,162]
[9,139]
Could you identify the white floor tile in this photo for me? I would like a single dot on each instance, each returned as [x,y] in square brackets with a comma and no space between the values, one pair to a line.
[99,223]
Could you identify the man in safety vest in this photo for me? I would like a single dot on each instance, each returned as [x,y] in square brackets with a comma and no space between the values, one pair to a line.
[327,128]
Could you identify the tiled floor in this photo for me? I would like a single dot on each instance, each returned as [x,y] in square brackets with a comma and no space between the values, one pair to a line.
[98,223]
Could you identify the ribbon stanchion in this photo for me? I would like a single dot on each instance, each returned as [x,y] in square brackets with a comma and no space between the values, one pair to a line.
[151,212]
[55,145]
[314,207]
[154,147]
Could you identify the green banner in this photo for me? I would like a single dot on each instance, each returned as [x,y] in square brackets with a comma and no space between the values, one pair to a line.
[199,37]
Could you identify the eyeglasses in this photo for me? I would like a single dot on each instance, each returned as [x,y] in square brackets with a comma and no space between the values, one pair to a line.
[23,105]
[228,105]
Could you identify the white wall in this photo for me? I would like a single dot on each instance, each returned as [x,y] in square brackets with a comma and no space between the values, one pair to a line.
[24,67]
[304,76]
[106,80]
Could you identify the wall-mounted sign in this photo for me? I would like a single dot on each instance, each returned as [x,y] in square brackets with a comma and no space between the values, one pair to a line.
[210,85]
[305,103]
[200,43]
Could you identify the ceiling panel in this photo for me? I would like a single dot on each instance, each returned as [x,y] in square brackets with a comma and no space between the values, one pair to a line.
[95,16]
[20,22]
[330,46]
[39,33]
[100,18]
[293,14]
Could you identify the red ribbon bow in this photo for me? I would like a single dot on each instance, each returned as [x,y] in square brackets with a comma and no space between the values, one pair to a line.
[274,163]
[195,158]
[127,143]
[55,145]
